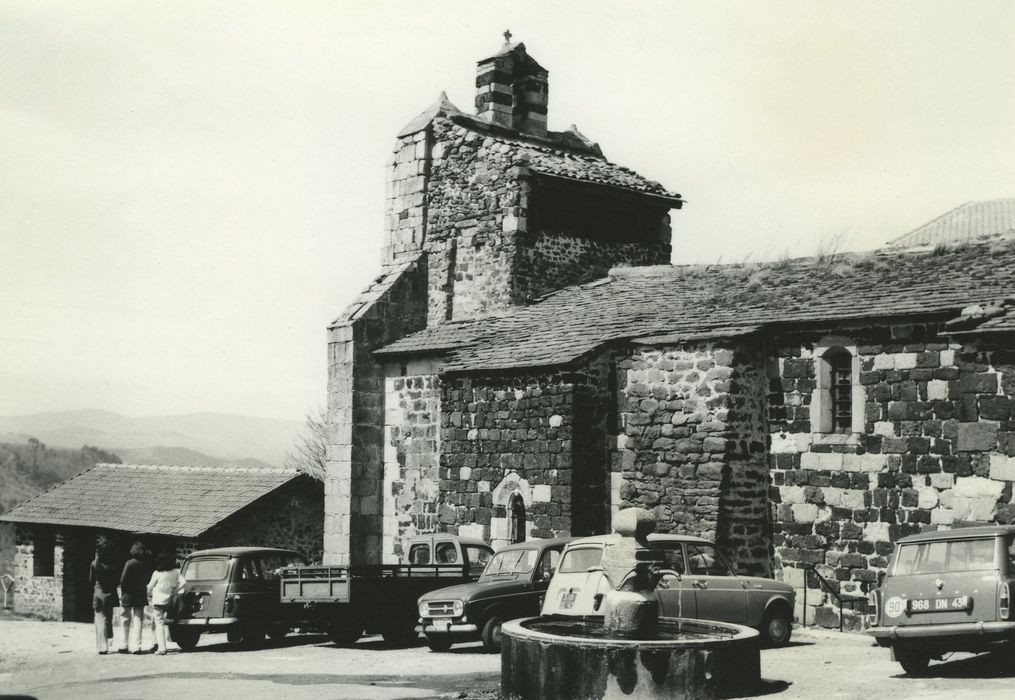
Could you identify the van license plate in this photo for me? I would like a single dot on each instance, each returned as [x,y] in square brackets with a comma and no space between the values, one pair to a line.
[568,598]
[930,605]
[441,624]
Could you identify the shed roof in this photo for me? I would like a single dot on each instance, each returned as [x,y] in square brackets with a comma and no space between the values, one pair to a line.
[688,302]
[162,500]
[963,223]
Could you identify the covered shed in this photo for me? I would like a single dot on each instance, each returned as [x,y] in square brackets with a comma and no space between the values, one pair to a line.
[169,508]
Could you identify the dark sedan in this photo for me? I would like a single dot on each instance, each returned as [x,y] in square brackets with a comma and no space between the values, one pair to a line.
[512,586]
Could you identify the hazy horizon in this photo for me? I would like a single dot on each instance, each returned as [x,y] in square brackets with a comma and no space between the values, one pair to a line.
[193,191]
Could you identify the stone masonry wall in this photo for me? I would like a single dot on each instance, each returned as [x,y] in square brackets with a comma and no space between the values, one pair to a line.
[41,596]
[394,306]
[555,261]
[405,198]
[693,446]
[475,207]
[484,250]
[291,517]
[411,445]
[519,431]
[936,451]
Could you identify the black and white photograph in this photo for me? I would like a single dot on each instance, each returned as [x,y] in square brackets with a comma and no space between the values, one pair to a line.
[343,358]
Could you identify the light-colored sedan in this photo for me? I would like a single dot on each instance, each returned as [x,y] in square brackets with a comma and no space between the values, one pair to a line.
[697,582]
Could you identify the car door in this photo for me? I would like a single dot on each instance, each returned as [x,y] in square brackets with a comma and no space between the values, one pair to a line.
[541,577]
[674,592]
[249,587]
[718,593]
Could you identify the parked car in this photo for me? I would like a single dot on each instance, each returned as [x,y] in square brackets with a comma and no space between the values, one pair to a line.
[345,601]
[233,590]
[512,586]
[946,591]
[697,582]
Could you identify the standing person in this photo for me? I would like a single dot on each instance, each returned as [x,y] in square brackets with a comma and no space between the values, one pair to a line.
[165,581]
[134,598]
[102,576]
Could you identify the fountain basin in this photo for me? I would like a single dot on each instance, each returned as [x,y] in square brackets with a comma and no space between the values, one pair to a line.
[550,657]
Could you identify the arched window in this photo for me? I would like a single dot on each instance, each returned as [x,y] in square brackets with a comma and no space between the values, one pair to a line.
[837,405]
[840,367]
[517,519]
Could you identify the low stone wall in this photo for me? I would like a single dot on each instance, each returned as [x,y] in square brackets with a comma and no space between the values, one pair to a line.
[41,596]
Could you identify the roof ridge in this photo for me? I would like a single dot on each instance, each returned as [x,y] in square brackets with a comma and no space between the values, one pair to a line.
[195,468]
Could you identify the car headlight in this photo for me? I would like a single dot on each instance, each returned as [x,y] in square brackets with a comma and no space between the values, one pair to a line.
[458,608]
[423,610]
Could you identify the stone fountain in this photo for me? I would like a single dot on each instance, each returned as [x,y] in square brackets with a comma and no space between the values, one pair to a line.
[632,652]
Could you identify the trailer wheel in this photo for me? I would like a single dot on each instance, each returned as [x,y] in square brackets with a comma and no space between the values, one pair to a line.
[252,635]
[491,634]
[344,633]
[438,642]
[400,635]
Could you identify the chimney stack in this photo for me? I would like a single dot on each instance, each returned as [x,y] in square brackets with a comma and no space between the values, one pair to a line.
[512,90]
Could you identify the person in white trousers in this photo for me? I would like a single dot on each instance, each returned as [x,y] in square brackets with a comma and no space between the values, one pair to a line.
[165,581]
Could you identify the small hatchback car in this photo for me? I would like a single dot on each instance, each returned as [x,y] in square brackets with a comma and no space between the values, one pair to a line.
[697,583]
[233,590]
[946,591]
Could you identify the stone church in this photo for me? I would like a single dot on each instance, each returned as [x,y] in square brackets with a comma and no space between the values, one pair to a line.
[528,361]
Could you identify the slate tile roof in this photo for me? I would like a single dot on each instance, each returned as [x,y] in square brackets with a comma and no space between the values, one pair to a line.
[592,169]
[963,223]
[564,154]
[164,500]
[693,301]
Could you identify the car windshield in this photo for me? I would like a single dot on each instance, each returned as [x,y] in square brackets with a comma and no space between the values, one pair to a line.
[579,560]
[946,556]
[206,569]
[516,561]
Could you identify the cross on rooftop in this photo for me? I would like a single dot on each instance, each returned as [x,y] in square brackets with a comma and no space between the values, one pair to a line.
[507,36]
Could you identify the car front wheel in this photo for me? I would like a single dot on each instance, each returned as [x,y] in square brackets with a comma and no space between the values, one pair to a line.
[438,642]
[776,627]
[491,634]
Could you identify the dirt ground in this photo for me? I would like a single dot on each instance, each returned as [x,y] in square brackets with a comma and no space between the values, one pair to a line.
[56,661]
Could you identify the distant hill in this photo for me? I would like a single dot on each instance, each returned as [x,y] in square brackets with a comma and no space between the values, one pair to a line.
[220,437]
[31,467]
[181,455]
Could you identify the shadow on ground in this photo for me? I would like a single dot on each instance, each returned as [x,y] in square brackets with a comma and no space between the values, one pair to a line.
[997,664]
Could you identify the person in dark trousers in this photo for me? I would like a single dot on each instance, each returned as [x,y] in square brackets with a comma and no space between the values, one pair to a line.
[102,576]
[134,597]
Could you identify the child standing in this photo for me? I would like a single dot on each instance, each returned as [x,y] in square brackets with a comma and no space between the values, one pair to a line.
[165,581]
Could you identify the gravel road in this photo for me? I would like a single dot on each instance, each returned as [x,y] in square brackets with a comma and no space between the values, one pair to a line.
[55,661]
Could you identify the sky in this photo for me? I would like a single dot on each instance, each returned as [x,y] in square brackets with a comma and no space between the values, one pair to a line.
[191,191]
